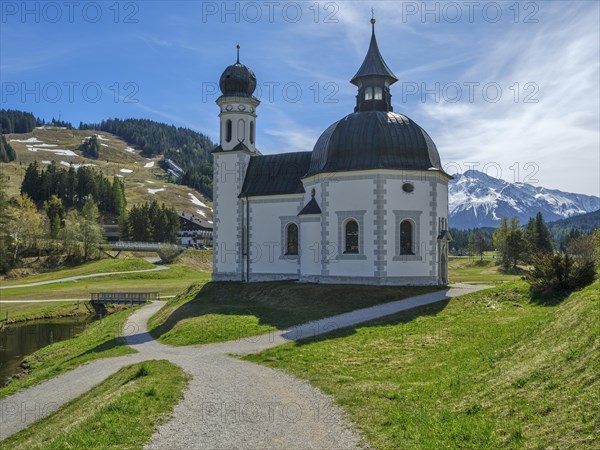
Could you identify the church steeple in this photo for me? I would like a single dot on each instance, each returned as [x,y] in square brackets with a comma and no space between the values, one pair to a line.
[373,80]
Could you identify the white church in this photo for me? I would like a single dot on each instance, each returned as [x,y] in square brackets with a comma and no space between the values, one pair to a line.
[368,204]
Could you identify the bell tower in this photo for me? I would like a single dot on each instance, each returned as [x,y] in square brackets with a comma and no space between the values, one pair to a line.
[238,107]
[373,80]
[237,113]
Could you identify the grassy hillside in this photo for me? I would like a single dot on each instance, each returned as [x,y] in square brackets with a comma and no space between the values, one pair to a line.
[121,412]
[217,312]
[140,174]
[165,282]
[474,270]
[486,370]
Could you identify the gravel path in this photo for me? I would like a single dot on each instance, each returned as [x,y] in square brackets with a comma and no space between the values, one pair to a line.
[80,277]
[229,403]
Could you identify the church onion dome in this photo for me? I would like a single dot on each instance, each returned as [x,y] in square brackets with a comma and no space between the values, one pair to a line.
[374,137]
[374,140]
[237,80]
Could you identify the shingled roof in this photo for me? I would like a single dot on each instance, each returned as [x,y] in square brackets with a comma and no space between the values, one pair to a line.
[276,174]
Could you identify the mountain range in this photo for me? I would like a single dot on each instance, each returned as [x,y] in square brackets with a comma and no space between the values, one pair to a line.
[479,200]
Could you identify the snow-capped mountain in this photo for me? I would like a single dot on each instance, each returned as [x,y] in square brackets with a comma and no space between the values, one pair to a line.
[478,200]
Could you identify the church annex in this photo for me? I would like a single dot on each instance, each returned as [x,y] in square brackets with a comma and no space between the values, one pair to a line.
[369,203]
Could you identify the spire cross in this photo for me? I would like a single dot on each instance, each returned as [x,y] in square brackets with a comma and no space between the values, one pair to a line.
[238,53]
[373,20]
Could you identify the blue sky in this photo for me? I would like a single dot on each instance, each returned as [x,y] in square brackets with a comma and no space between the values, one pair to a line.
[512,88]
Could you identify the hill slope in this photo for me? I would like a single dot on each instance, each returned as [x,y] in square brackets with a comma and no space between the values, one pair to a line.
[485,370]
[479,200]
[144,178]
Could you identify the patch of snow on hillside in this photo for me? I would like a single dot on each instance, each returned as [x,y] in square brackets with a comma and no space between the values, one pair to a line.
[104,145]
[126,170]
[148,181]
[202,213]
[102,138]
[196,201]
[149,164]
[46,162]
[76,166]
[129,149]
[28,141]
[154,191]
[59,152]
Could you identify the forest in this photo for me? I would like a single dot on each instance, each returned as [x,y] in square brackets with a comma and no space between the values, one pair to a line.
[189,149]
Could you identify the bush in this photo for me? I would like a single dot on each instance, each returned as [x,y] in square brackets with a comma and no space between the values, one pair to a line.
[559,274]
[168,253]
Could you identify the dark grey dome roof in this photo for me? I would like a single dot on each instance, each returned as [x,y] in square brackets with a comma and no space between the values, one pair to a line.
[238,80]
[374,140]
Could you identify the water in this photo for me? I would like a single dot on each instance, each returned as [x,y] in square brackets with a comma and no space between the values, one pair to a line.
[20,340]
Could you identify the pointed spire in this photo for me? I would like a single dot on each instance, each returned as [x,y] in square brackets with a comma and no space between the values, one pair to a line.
[373,22]
[373,64]
[238,53]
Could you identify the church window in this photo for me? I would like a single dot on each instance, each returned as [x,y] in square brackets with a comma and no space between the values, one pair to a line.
[241,130]
[368,93]
[228,130]
[351,237]
[291,240]
[378,93]
[406,238]
[408,187]
[252,132]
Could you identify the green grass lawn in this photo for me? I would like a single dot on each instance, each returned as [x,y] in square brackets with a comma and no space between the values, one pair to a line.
[122,412]
[102,266]
[473,270]
[217,312]
[486,370]
[98,340]
[20,312]
[166,282]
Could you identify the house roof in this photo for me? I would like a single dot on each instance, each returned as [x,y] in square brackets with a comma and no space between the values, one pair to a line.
[312,207]
[275,174]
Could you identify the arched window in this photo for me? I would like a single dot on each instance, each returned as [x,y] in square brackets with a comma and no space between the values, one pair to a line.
[291,239]
[351,237]
[228,130]
[378,93]
[241,130]
[252,132]
[406,238]
[368,93]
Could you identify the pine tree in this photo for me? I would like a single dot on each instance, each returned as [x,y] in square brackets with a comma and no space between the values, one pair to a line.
[31,182]
[56,215]
[7,153]
[544,242]
[118,196]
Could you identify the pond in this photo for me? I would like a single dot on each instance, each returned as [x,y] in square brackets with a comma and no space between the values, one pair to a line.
[20,340]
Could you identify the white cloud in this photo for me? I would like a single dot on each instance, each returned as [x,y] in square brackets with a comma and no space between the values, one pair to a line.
[560,132]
